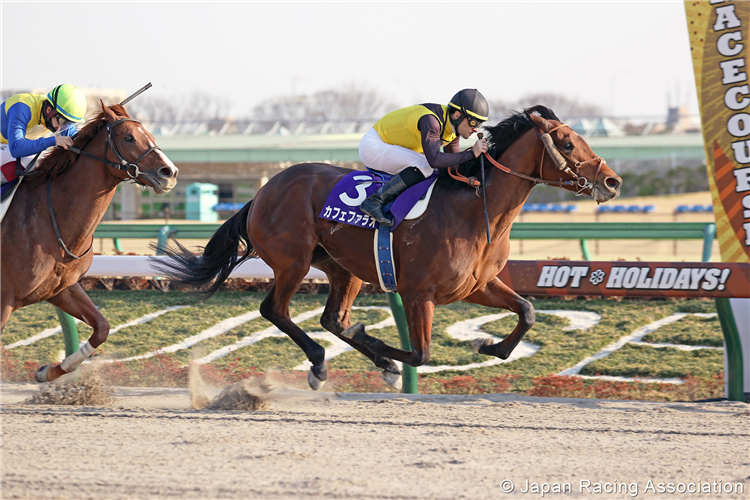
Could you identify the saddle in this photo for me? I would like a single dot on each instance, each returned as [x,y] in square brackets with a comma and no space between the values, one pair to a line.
[8,189]
[343,203]
[344,199]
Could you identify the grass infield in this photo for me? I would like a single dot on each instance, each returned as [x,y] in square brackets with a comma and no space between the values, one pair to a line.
[559,348]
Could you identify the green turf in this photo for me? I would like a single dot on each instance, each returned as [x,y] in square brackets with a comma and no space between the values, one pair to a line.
[690,330]
[559,349]
[662,362]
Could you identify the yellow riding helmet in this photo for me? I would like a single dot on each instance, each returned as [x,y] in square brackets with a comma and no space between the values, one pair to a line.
[69,101]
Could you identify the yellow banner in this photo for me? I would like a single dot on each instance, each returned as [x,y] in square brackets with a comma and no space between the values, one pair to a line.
[718,41]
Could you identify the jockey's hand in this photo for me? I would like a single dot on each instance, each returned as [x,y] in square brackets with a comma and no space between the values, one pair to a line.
[479,147]
[63,141]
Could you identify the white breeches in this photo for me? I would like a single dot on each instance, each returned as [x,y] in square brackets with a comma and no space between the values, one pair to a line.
[385,157]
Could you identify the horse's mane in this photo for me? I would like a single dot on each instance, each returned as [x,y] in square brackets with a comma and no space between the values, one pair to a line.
[59,160]
[502,135]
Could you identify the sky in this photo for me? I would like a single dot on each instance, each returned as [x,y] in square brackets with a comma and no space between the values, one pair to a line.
[631,58]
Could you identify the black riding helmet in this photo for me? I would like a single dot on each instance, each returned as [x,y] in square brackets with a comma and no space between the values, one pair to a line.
[472,105]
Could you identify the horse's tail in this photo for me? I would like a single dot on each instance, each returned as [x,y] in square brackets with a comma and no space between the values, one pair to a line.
[228,248]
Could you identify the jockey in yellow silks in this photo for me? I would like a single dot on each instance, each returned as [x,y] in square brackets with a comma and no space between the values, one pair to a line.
[28,120]
[407,142]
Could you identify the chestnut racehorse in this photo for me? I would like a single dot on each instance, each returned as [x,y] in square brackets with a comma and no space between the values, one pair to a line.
[48,231]
[440,258]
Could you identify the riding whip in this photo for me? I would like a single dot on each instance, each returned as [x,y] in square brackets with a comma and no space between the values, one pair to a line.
[484,195]
[136,94]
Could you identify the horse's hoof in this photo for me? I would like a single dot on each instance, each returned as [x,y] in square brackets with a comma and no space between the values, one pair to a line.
[41,374]
[317,376]
[314,381]
[49,373]
[477,344]
[393,379]
[353,331]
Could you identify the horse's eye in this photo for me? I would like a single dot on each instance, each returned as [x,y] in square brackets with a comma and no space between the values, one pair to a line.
[569,146]
[129,138]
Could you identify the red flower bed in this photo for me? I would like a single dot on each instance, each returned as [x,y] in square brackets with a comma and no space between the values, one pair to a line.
[163,371]
[565,386]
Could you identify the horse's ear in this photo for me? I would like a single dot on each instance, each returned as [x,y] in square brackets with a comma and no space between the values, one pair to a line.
[540,122]
[109,115]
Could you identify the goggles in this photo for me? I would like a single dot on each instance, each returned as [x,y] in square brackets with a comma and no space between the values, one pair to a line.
[473,122]
[63,121]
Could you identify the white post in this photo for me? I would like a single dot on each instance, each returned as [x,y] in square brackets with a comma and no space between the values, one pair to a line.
[131,201]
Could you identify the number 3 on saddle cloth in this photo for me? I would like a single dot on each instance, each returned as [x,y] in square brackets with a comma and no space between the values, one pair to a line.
[343,203]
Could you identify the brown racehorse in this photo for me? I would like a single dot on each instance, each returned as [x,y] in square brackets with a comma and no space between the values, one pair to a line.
[48,231]
[440,258]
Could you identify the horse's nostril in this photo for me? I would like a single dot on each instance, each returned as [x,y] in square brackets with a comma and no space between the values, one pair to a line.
[167,172]
[612,183]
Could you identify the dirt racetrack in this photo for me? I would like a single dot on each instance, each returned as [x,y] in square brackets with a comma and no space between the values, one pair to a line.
[150,444]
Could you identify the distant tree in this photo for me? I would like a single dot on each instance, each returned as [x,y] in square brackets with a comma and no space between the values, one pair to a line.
[348,102]
[564,107]
[189,107]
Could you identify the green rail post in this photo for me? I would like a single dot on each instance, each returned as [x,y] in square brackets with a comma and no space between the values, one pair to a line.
[409,373]
[70,332]
[117,244]
[585,250]
[735,365]
[164,233]
[709,234]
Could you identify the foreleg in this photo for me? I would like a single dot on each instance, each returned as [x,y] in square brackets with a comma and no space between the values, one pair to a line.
[74,301]
[498,295]
[5,312]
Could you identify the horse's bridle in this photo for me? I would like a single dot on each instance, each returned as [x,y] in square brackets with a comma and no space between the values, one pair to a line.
[130,168]
[561,160]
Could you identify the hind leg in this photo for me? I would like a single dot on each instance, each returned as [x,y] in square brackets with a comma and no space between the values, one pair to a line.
[498,295]
[275,308]
[283,240]
[74,301]
[336,318]
[419,309]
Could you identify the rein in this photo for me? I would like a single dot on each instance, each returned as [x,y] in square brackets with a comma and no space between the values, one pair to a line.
[130,168]
[562,164]
[57,230]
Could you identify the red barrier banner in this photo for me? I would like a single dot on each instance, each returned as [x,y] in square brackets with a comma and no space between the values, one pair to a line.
[632,279]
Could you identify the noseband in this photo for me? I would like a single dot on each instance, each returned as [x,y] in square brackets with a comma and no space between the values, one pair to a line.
[564,161]
[130,168]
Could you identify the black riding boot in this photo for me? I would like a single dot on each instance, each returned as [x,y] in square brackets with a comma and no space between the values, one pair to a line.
[373,206]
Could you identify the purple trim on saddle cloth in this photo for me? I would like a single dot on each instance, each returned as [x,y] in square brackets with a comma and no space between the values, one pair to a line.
[343,202]
[7,186]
